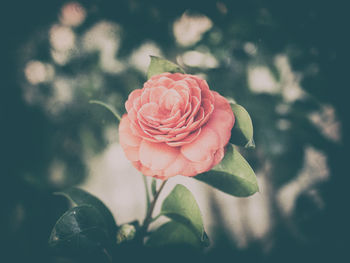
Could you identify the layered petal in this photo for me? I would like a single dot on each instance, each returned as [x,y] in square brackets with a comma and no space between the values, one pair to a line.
[126,136]
[203,147]
[222,119]
[180,166]
[175,125]
[129,142]
[157,156]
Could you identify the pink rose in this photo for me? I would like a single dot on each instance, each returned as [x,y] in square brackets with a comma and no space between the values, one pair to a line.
[175,125]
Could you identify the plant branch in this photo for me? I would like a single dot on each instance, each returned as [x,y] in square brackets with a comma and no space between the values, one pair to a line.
[108,107]
[148,218]
[148,201]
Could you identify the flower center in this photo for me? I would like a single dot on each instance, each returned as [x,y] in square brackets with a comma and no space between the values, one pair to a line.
[169,102]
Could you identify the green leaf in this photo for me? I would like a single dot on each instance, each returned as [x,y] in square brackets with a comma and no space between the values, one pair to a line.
[108,107]
[154,186]
[181,206]
[233,175]
[80,197]
[242,131]
[160,65]
[80,228]
[173,233]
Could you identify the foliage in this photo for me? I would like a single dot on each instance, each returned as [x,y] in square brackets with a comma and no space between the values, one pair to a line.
[158,66]
[90,225]
[79,197]
[35,139]
[233,175]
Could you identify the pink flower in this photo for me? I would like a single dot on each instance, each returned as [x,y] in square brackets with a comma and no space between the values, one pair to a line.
[175,125]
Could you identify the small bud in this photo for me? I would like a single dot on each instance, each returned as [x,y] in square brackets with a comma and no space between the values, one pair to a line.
[126,233]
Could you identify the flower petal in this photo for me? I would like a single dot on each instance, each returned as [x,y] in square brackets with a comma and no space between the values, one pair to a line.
[126,136]
[201,167]
[219,155]
[175,126]
[149,112]
[221,120]
[172,119]
[164,81]
[206,144]
[132,96]
[132,153]
[221,102]
[156,94]
[176,76]
[180,166]
[145,95]
[149,172]
[188,139]
[137,103]
[157,156]
[168,99]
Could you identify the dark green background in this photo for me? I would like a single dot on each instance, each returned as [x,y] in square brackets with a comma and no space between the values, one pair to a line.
[31,139]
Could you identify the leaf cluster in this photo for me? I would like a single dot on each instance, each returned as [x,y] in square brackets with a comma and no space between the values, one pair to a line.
[90,226]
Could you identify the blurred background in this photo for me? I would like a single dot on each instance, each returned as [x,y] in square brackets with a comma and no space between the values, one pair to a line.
[283,61]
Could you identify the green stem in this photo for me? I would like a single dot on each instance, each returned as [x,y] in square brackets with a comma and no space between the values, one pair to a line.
[148,201]
[148,218]
[108,107]
[155,218]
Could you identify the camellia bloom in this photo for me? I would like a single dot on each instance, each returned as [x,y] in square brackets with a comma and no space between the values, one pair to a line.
[175,125]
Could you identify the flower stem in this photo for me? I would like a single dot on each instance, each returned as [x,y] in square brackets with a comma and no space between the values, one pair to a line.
[108,107]
[148,201]
[148,218]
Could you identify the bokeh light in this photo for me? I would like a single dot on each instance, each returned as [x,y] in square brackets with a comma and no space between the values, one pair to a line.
[283,68]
